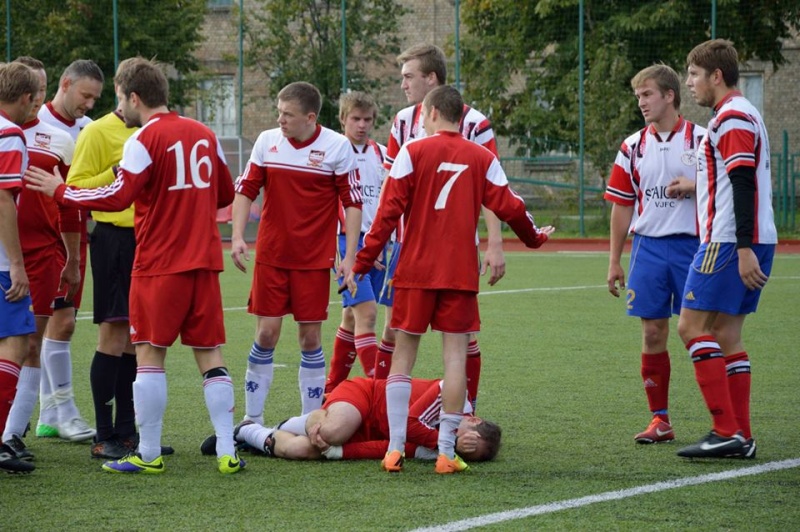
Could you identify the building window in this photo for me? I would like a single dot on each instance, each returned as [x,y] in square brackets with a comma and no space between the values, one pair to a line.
[752,86]
[216,106]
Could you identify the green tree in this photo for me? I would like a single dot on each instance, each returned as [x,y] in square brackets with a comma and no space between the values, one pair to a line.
[300,40]
[59,31]
[520,60]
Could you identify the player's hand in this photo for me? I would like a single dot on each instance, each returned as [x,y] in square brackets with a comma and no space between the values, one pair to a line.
[41,181]
[680,188]
[543,234]
[240,253]
[468,443]
[494,260]
[317,440]
[345,266]
[71,279]
[20,286]
[350,282]
[750,270]
[379,265]
[616,275]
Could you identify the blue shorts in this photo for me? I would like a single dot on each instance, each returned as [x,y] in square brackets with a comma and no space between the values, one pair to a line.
[714,283]
[387,292]
[658,273]
[16,319]
[369,287]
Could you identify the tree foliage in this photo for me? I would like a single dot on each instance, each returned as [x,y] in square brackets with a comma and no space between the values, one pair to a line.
[58,32]
[301,40]
[520,60]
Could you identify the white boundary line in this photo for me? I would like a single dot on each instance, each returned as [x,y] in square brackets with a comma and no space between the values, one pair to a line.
[522,513]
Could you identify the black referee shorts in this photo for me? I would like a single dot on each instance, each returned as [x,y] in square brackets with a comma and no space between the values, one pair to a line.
[112,249]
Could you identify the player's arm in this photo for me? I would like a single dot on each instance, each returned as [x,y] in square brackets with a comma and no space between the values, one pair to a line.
[111,198]
[493,259]
[9,238]
[247,189]
[621,216]
[348,185]
[70,226]
[89,168]
[225,190]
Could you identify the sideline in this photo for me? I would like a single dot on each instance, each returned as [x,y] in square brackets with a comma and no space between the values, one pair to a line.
[522,513]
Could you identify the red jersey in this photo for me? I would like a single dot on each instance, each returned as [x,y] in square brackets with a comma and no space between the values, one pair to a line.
[13,162]
[438,184]
[303,183]
[174,172]
[40,222]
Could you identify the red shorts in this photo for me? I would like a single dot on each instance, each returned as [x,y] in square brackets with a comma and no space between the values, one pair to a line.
[448,311]
[187,303]
[43,267]
[277,292]
[359,392]
[62,260]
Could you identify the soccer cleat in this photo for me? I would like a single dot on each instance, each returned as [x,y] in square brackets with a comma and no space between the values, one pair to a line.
[228,464]
[659,431]
[9,462]
[110,449]
[715,446]
[133,463]
[446,466]
[76,429]
[132,442]
[209,446]
[46,431]
[20,450]
[749,449]
[393,461]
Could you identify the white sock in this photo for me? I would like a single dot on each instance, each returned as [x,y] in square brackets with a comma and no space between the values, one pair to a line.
[398,393]
[24,402]
[58,359]
[150,402]
[448,425]
[296,425]
[257,382]
[311,378]
[255,435]
[48,414]
[218,392]
[423,453]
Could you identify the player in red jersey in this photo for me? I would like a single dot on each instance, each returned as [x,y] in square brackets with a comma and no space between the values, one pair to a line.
[174,172]
[19,85]
[305,170]
[439,184]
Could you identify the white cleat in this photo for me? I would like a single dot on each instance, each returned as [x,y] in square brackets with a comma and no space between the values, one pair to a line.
[76,429]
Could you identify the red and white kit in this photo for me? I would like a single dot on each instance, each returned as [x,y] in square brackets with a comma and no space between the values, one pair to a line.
[13,162]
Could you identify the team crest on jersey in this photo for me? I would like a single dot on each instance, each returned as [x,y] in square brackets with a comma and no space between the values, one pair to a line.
[689,158]
[315,158]
[41,140]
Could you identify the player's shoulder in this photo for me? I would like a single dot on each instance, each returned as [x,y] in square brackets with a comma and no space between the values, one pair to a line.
[408,113]
[47,135]
[471,114]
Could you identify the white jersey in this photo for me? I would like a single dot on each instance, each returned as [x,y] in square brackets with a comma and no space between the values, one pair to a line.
[646,164]
[736,137]
[369,158]
[13,162]
[49,115]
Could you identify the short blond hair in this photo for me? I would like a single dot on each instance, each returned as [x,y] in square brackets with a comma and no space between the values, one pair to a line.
[665,77]
[356,100]
[17,80]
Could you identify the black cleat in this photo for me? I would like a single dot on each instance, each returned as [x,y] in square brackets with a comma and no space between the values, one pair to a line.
[716,446]
[749,449]
[9,462]
[209,446]
[110,449]
[20,450]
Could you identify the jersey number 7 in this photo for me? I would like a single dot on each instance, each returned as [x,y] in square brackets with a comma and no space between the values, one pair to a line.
[457,170]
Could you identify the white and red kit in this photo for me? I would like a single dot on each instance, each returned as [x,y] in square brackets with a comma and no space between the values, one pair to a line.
[371,173]
[736,137]
[13,162]
[49,115]
[438,184]
[646,163]
[303,183]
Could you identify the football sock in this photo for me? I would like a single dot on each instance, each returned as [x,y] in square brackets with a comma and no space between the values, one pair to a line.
[48,415]
[367,350]
[9,376]
[738,370]
[58,360]
[448,425]
[125,418]
[254,435]
[709,370]
[24,402]
[295,425]
[103,378]
[383,359]
[344,354]
[218,392]
[150,398]
[473,371]
[311,379]
[398,394]
[655,373]
[258,380]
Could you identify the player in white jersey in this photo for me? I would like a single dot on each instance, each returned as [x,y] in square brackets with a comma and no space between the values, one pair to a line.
[737,245]
[356,333]
[79,88]
[664,229]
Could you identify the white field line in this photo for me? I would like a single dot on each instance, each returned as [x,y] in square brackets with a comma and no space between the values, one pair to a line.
[522,513]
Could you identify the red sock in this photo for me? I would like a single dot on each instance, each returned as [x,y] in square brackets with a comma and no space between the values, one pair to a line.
[473,372]
[344,354]
[9,376]
[655,377]
[383,359]
[738,368]
[709,370]
[367,351]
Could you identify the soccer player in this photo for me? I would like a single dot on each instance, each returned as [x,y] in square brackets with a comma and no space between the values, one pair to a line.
[174,171]
[18,88]
[423,68]
[664,229]
[79,88]
[42,225]
[440,183]
[737,245]
[356,333]
[305,170]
